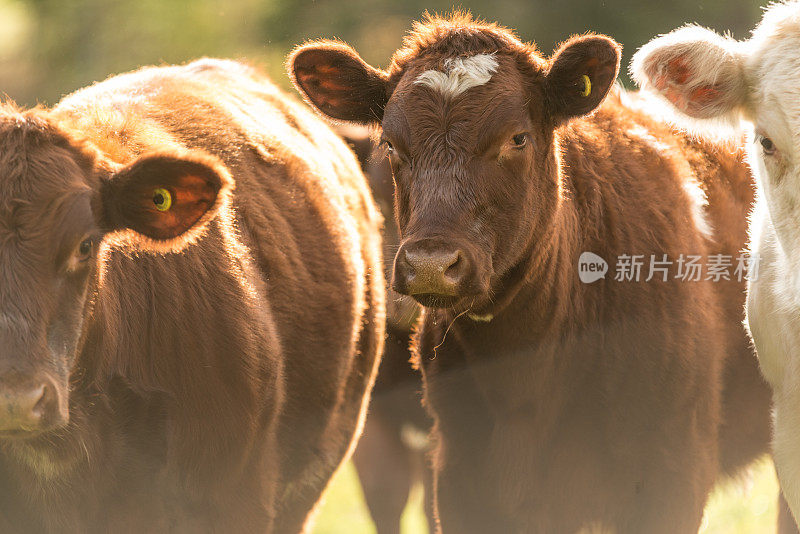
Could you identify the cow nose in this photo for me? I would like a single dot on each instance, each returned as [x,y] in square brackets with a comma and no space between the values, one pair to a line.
[430,268]
[30,406]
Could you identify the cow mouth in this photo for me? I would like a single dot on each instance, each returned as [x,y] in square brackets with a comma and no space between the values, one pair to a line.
[31,435]
[432,300]
[21,435]
[47,454]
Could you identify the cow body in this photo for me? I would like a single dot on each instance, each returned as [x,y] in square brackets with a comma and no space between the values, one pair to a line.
[219,388]
[710,79]
[602,404]
[559,406]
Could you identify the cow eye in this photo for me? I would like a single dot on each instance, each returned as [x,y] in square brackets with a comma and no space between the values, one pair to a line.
[388,145]
[85,250]
[767,145]
[520,140]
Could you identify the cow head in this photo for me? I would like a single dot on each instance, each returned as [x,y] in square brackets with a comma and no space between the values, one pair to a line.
[468,115]
[713,79]
[60,203]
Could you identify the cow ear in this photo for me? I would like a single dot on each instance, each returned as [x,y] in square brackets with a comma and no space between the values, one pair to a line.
[334,79]
[163,197]
[698,71]
[580,75]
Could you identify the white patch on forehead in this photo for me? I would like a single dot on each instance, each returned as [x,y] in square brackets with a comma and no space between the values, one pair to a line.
[462,73]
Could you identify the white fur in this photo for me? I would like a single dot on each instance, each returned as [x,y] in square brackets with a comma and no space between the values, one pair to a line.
[713,60]
[761,85]
[698,202]
[643,134]
[461,74]
[481,318]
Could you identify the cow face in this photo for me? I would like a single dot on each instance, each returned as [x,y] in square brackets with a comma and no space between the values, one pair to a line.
[59,205]
[713,79]
[468,123]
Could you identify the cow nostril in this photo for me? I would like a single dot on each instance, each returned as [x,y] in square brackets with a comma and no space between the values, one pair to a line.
[24,410]
[453,271]
[40,409]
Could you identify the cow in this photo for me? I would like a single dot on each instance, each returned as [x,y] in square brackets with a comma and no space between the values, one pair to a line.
[718,82]
[563,400]
[191,306]
[392,452]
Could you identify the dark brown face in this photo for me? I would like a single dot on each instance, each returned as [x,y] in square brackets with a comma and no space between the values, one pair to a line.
[48,240]
[55,210]
[464,163]
[469,122]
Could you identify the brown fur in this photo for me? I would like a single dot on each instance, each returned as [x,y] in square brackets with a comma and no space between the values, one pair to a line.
[389,464]
[215,389]
[612,404]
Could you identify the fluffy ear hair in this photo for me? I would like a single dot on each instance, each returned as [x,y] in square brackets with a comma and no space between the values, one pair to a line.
[334,79]
[698,71]
[581,73]
[167,199]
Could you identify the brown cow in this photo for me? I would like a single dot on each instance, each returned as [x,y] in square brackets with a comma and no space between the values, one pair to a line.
[559,405]
[392,453]
[157,377]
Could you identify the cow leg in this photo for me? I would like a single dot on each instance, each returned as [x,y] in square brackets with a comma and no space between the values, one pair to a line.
[786,523]
[460,500]
[746,427]
[385,471]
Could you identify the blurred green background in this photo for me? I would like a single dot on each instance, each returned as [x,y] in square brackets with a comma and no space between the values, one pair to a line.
[49,48]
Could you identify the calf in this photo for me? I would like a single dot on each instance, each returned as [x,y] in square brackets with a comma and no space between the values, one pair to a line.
[559,405]
[191,306]
[712,78]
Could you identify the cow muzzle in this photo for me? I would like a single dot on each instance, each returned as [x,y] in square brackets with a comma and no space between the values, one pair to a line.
[435,272]
[30,404]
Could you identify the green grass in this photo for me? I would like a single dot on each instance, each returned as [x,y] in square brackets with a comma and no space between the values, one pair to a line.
[744,506]
[344,510]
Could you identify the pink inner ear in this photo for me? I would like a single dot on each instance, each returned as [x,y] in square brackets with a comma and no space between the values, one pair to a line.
[704,95]
[670,80]
[678,71]
[323,88]
[676,96]
[327,69]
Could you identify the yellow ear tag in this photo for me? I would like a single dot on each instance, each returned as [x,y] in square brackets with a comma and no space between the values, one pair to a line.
[587,86]
[162,199]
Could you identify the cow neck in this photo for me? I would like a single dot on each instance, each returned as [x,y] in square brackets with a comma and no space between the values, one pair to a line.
[541,285]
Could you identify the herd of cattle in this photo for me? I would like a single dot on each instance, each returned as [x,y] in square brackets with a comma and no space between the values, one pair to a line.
[194,313]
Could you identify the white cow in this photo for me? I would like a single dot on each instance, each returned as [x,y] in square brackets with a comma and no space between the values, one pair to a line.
[755,82]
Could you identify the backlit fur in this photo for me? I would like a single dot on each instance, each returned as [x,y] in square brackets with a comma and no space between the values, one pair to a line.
[757,81]
[216,383]
[576,406]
